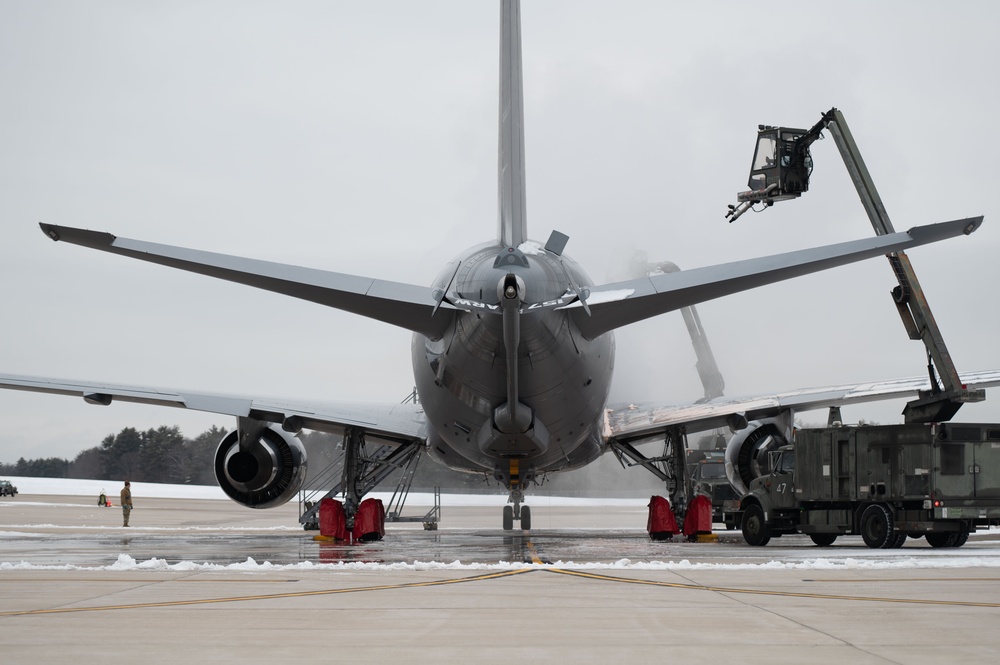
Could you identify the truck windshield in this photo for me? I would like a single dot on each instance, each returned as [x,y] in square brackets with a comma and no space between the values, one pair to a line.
[713,470]
[787,462]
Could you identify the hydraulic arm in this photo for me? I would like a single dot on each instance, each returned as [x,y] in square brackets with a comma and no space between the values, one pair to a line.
[780,171]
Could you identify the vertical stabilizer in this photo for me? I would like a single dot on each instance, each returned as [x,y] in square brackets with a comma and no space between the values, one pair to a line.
[512,218]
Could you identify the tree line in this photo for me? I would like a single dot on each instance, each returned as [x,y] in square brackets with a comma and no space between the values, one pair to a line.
[157,455]
[164,455]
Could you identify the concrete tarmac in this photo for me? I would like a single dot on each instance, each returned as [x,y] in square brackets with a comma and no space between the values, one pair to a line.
[584,586]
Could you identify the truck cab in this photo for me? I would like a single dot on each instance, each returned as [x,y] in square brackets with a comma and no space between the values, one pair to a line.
[770,508]
[708,477]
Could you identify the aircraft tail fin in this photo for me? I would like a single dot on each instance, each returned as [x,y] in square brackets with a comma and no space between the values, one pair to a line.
[511,214]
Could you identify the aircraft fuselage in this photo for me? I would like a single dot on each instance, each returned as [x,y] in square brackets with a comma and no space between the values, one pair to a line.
[562,378]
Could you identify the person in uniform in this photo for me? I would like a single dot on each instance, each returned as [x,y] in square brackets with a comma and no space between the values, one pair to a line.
[126,502]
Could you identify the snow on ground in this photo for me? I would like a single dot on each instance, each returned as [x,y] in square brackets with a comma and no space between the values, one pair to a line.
[127,563]
[972,556]
[92,488]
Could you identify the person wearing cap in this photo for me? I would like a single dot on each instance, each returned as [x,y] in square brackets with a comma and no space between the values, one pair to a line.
[126,502]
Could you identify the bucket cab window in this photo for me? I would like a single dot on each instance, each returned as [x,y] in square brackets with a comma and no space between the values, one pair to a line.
[764,158]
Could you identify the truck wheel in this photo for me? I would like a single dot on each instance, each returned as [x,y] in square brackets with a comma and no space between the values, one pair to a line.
[898,541]
[876,527]
[961,539]
[755,530]
[942,539]
[823,539]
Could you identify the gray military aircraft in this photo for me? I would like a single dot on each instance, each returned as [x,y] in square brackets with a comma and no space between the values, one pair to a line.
[513,348]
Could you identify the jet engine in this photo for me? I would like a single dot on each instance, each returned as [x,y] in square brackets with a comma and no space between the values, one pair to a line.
[746,452]
[266,472]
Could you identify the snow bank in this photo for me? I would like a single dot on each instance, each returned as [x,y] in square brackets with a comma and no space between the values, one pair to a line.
[127,563]
[92,488]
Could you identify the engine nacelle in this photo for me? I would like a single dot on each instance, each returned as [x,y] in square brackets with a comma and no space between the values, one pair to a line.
[746,453]
[269,472]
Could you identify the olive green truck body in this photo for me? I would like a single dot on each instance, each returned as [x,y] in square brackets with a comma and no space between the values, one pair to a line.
[940,481]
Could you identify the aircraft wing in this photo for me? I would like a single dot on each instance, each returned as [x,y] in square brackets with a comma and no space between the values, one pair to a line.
[632,422]
[408,306]
[389,422]
[619,304]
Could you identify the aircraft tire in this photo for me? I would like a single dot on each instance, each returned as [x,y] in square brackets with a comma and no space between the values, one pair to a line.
[525,518]
[508,518]
[755,530]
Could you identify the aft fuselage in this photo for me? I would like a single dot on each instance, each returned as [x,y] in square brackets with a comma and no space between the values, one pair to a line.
[562,378]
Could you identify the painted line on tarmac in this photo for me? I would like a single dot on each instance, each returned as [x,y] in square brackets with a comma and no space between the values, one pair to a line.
[532,552]
[272,596]
[906,579]
[511,573]
[39,580]
[766,592]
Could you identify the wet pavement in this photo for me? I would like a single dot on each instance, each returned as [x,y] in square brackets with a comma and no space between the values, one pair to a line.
[53,531]
[179,586]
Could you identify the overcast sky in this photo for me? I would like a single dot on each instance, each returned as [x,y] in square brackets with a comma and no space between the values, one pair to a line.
[361,138]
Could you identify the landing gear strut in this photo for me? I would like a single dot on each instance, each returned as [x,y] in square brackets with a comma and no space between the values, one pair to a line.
[361,467]
[517,512]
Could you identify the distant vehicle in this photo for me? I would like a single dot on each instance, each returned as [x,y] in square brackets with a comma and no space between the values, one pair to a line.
[709,478]
[6,489]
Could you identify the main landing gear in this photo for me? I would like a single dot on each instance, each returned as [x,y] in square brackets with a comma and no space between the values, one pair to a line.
[517,512]
[361,467]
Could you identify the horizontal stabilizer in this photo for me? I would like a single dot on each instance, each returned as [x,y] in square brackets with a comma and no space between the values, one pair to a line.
[405,305]
[619,304]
